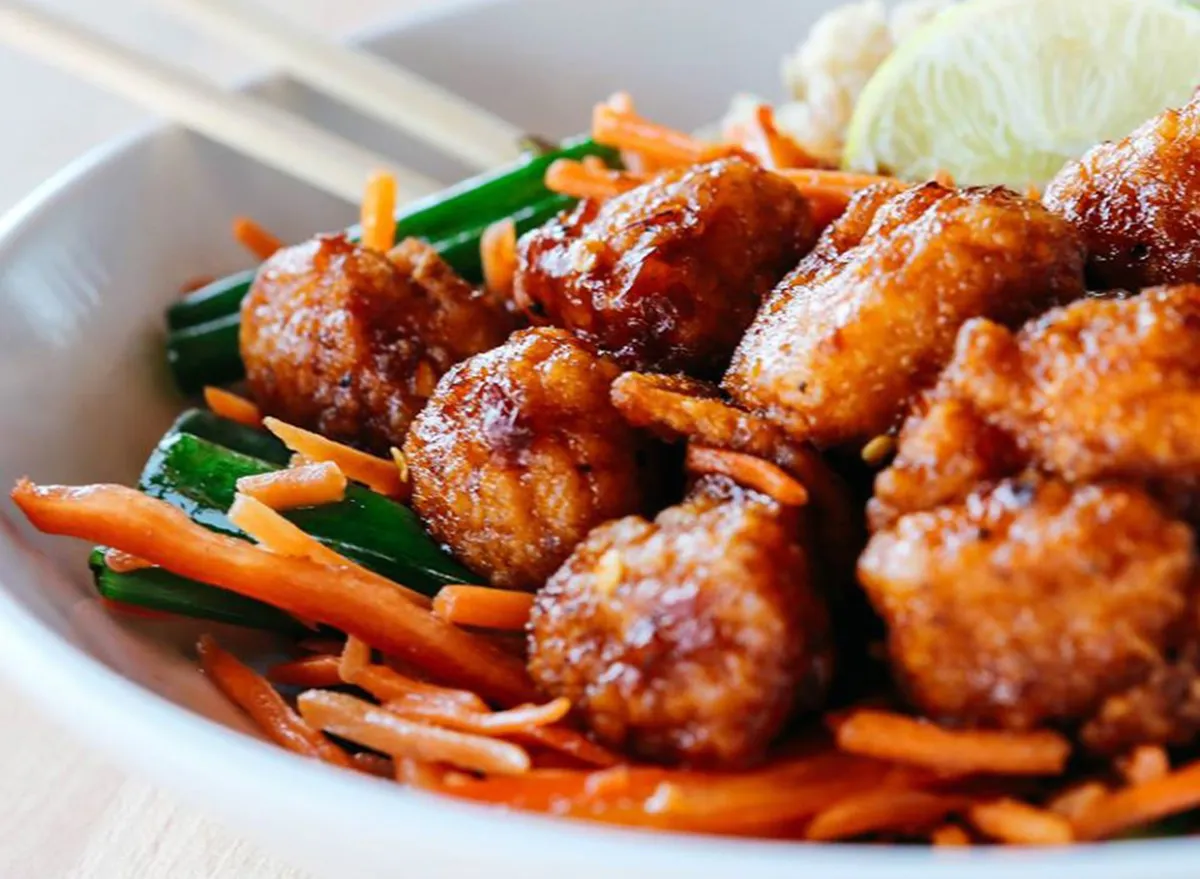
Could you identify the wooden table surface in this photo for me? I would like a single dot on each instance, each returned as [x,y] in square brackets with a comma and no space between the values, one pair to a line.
[65,812]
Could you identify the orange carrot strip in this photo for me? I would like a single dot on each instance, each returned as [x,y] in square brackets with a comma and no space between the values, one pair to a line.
[572,743]
[496,723]
[498,250]
[374,764]
[255,238]
[950,836]
[277,534]
[377,728]
[309,485]
[627,131]
[484,607]
[233,407]
[882,810]
[887,736]
[371,609]
[312,672]
[315,644]
[388,685]
[750,471]
[819,177]
[356,656]
[1141,804]
[266,708]
[418,774]
[1020,824]
[568,177]
[123,562]
[774,149]
[379,213]
[1077,800]
[1145,763]
[375,473]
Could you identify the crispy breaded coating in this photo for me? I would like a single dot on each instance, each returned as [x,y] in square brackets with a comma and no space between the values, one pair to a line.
[1032,603]
[519,453]
[667,277]
[345,341]
[1102,388]
[690,639]
[1162,709]
[1137,203]
[867,321]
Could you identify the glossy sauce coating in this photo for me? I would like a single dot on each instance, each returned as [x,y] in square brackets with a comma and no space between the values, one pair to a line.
[520,453]
[667,277]
[1137,203]
[345,341]
[867,321]
[1031,603]
[692,638]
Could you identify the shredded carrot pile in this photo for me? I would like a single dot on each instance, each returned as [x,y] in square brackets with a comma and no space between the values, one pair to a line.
[1020,824]
[579,180]
[483,607]
[762,139]
[1140,804]
[750,471]
[255,238]
[887,736]
[231,406]
[498,252]
[379,213]
[375,473]
[625,130]
[309,485]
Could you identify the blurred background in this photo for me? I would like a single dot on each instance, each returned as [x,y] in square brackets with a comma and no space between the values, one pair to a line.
[64,813]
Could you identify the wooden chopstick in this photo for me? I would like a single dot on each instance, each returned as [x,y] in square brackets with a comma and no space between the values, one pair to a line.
[250,126]
[361,80]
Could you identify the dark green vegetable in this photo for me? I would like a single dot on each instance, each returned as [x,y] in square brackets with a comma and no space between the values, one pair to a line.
[469,206]
[233,436]
[156,589]
[200,478]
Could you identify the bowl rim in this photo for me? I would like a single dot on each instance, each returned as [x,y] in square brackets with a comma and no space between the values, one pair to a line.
[128,718]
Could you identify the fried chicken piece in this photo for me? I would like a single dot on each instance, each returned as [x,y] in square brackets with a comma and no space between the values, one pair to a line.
[1103,388]
[1137,203]
[667,277]
[519,453]
[1034,603]
[350,343]
[867,321]
[692,638]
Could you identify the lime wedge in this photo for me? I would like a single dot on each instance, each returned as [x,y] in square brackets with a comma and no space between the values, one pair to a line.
[1006,91]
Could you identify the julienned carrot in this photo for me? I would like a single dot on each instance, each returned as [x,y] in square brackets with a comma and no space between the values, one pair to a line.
[356,656]
[498,253]
[845,180]
[375,473]
[387,685]
[309,485]
[376,612]
[949,836]
[310,672]
[774,149]
[377,728]
[887,736]
[266,708]
[277,534]
[255,238]
[878,811]
[484,607]
[1020,824]
[1141,804]
[493,723]
[1076,800]
[379,213]
[231,406]
[123,562]
[750,471]
[1145,763]
[567,177]
[628,131]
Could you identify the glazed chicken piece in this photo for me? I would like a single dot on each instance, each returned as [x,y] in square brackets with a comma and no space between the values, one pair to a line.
[667,277]
[1137,203]
[519,453]
[693,638]
[868,320]
[1037,603]
[1100,389]
[350,342]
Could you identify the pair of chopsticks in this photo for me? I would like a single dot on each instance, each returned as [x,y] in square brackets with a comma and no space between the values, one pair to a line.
[259,129]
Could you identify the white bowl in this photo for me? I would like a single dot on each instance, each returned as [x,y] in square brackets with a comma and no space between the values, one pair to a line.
[87,265]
